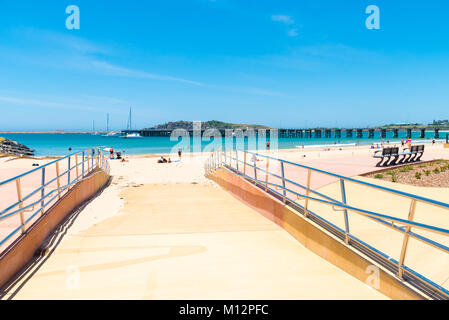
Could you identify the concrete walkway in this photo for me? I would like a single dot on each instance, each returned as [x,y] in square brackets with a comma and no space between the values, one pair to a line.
[182,241]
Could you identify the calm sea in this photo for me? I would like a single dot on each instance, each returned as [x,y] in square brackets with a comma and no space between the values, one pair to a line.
[50,144]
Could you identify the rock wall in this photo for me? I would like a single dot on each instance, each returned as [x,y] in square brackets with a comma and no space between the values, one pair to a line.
[15,148]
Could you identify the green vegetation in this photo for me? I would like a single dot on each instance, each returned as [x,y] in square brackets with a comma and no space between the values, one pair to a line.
[394,177]
[436,170]
[427,172]
[188,125]
[378,176]
[435,123]
[418,175]
[406,169]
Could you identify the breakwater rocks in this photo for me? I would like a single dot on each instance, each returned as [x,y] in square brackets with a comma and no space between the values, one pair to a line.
[15,148]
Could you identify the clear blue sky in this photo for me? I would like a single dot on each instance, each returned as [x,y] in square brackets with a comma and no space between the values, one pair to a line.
[299,63]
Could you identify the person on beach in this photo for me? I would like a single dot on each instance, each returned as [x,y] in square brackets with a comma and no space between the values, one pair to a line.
[402,142]
[268,145]
[408,143]
[162,160]
[111,153]
[179,154]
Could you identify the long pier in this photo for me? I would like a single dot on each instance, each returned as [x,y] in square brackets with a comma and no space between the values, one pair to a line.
[302,133]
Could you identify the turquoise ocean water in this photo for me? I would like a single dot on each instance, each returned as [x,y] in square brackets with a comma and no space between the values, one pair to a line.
[50,144]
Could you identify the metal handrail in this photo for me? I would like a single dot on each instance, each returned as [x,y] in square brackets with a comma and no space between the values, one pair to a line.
[400,193]
[215,162]
[89,162]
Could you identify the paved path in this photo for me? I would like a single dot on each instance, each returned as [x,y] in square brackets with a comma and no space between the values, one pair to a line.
[184,241]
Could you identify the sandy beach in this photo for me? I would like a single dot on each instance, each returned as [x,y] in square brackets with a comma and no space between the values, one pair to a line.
[154,217]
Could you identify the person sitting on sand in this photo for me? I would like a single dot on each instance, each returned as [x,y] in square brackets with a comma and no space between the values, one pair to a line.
[169,160]
[162,160]
[118,155]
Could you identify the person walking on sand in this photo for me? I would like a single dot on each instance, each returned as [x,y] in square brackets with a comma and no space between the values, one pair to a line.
[179,154]
[111,153]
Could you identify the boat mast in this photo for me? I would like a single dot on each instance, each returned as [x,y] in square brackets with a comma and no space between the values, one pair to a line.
[107,122]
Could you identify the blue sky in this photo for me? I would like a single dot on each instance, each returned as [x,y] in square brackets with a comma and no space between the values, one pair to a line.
[300,63]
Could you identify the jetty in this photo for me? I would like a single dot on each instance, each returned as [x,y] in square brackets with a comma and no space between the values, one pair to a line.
[316,133]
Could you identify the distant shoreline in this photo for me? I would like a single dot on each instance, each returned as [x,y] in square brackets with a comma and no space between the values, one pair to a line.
[58,131]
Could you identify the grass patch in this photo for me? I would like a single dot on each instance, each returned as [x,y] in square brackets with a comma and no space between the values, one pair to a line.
[418,175]
[378,176]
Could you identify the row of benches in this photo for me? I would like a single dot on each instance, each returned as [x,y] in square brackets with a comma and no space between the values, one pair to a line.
[414,154]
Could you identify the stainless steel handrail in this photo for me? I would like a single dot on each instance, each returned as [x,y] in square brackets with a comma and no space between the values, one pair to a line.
[90,161]
[224,158]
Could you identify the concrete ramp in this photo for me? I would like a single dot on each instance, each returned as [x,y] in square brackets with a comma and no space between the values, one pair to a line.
[183,241]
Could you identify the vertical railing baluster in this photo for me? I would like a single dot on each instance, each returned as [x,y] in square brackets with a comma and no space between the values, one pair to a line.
[411,216]
[19,198]
[88,161]
[82,165]
[237,159]
[306,206]
[283,181]
[266,174]
[68,173]
[345,212]
[244,163]
[225,157]
[77,170]
[255,168]
[58,181]
[43,192]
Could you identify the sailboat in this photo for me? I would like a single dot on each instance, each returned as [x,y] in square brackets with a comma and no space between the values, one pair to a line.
[129,128]
[108,133]
[93,128]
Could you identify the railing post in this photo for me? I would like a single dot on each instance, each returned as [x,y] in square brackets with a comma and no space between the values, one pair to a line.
[77,170]
[58,181]
[283,181]
[266,174]
[411,216]
[345,212]
[68,173]
[19,197]
[255,169]
[82,165]
[237,159]
[88,161]
[43,192]
[244,163]
[306,206]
